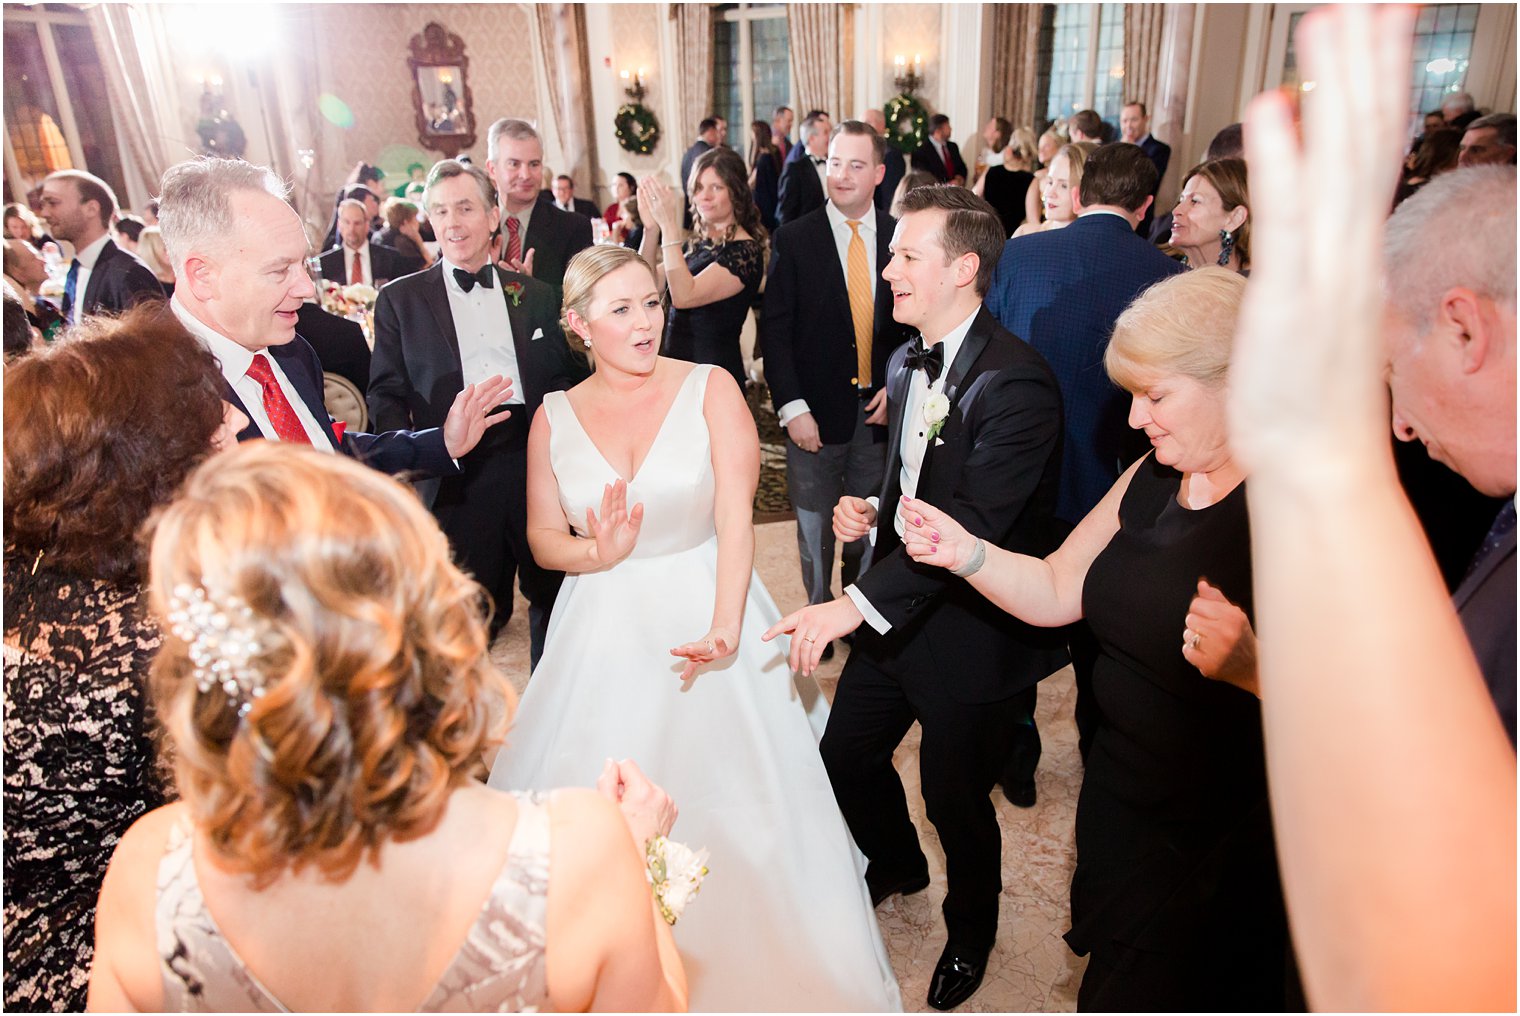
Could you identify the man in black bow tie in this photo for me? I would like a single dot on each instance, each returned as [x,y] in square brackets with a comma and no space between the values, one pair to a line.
[803,186]
[974,417]
[461,320]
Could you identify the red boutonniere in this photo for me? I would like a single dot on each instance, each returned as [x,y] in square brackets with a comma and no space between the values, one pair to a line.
[514,291]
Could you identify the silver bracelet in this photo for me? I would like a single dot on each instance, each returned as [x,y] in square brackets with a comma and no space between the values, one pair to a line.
[971,567]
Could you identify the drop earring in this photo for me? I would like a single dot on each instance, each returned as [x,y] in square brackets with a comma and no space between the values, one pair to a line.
[1226,246]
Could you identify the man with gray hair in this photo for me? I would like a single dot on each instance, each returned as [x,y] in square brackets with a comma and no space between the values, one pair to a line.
[1489,141]
[802,179]
[1449,264]
[537,239]
[1459,109]
[239,254]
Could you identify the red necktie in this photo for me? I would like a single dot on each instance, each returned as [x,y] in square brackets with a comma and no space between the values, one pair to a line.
[356,273]
[514,241]
[949,166]
[281,416]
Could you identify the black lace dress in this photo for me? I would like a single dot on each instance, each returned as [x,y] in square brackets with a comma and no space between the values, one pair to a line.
[79,769]
[710,333]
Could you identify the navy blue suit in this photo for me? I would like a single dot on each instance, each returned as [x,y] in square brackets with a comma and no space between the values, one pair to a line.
[1061,291]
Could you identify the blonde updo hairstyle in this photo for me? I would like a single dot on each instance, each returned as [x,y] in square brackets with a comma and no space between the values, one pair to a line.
[1184,325]
[584,271]
[379,694]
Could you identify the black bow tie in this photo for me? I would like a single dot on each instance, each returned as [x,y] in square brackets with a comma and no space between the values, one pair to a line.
[931,361]
[816,160]
[467,280]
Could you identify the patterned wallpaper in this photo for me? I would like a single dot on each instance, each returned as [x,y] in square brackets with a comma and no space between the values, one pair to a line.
[368,47]
[636,43]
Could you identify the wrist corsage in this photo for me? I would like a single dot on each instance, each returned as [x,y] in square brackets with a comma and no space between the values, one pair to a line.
[936,411]
[675,873]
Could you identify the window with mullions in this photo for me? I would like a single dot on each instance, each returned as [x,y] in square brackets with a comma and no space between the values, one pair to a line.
[751,65]
[1443,44]
[1081,61]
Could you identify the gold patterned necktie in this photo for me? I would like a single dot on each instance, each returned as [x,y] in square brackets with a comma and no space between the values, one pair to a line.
[862,301]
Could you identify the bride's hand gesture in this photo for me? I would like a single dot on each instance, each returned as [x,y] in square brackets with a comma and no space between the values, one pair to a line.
[617,530]
[720,641]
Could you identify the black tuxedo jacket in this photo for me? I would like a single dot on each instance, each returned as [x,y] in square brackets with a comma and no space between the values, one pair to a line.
[338,342]
[583,207]
[806,332]
[416,373]
[399,451]
[386,263]
[555,237]
[801,191]
[926,158]
[994,469]
[118,281]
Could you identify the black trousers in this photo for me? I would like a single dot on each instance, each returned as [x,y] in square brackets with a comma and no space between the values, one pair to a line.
[886,685]
[484,513]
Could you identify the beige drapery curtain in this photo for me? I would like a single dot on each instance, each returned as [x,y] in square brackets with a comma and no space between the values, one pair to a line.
[1015,41]
[1144,26]
[562,35]
[821,41]
[139,84]
[693,78]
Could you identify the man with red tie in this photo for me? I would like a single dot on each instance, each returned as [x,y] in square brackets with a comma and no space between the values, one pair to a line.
[938,155]
[239,254]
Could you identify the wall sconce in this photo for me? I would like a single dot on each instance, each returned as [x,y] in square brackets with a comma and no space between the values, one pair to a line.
[635,91]
[908,78]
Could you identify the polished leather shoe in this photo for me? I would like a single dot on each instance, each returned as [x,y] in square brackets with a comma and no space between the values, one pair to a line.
[907,886]
[1021,794]
[957,976]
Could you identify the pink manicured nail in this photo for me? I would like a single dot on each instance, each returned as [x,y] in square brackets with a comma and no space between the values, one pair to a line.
[934,537]
[918,520]
[934,550]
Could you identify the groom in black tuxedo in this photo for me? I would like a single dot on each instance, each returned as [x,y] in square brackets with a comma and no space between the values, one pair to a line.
[461,320]
[932,649]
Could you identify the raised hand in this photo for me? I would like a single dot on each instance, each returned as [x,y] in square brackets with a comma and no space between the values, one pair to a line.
[617,530]
[719,642]
[1218,640]
[467,420]
[660,205]
[853,519]
[648,810]
[814,627]
[931,536]
[522,267]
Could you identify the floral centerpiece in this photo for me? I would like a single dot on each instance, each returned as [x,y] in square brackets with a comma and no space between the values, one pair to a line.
[355,301]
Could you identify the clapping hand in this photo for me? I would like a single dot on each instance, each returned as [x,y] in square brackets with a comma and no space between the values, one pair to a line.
[646,807]
[1218,640]
[522,267]
[468,420]
[931,536]
[660,205]
[617,530]
[719,642]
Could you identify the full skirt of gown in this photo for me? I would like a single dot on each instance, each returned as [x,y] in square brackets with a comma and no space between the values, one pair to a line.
[783,920]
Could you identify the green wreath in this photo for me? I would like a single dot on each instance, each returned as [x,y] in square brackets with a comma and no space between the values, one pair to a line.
[907,120]
[637,129]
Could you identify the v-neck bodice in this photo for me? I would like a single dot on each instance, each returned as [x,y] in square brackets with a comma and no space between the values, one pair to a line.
[675,481]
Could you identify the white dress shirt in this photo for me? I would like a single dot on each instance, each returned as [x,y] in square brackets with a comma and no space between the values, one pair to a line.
[86,259]
[485,331]
[912,447]
[235,360]
[840,225]
[364,264]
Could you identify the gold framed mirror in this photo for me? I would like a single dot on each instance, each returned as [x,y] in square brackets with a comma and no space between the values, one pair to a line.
[441,96]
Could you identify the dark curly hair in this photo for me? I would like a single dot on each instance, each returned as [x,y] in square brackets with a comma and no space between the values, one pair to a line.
[734,176]
[379,693]
[100,429]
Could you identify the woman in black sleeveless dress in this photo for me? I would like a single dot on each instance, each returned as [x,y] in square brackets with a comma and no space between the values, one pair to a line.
[1176,895]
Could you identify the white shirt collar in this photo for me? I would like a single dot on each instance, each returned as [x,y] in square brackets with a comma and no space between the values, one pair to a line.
[89,255]
[234,358]
[838,221]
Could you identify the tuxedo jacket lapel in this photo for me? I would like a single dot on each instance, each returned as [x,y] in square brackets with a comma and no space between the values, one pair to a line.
[522,338]
[977,337]
[897,400]
[437,297]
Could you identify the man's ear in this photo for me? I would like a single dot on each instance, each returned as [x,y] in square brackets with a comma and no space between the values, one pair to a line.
[201,275]
[1469,319]
[966,267]
[1076,199]
[1145,207]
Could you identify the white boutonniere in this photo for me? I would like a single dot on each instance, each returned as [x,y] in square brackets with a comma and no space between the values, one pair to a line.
[936,410]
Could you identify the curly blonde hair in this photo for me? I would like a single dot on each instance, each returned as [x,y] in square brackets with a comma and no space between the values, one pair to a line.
[379,694]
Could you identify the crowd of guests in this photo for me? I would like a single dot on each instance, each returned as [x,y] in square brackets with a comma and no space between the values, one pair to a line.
[1129,471]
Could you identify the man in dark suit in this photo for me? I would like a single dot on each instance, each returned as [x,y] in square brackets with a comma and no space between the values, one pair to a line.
[1135,128]
[357,258]
[826,332]
[537,239]
[707,139]
[439,330]
[239,289]
[566,201]
[802,188]
[938,155]
[781,130]
[1449,257]
[895,165]
[338,342]
[932,649]
[78,208]
[1061,292]
[799,150]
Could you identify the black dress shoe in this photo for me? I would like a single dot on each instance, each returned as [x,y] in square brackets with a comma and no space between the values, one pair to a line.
[907,886]
[957,976]
[1021,794]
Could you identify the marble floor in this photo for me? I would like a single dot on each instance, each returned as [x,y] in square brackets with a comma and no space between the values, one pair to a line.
[1031,968]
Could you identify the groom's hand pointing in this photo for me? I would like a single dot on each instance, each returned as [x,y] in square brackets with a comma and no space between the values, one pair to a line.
[814,627]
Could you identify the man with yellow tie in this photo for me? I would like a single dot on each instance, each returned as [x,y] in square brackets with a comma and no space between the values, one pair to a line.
[826,331]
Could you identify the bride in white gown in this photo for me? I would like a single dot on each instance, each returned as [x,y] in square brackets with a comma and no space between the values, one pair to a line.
[654,463]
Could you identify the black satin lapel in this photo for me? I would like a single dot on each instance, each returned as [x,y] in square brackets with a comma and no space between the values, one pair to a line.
[977,337]
[897,405]
[522,338]
[437,297]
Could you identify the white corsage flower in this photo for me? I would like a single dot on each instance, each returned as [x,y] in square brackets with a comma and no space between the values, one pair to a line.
[675,873]
[936,410]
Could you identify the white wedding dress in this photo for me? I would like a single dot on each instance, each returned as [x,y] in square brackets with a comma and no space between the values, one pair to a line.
[783,921]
